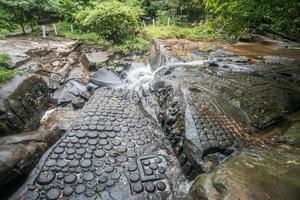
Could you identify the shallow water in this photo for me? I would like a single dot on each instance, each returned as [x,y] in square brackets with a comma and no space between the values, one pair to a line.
[253,50]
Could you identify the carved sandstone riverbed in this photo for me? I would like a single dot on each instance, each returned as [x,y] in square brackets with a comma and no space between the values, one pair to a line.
[119,146]
[114,151]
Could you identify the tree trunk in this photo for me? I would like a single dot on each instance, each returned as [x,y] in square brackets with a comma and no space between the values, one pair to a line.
[31,26]
[23,28]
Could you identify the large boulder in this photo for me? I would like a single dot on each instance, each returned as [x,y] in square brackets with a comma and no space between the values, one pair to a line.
[254,174]
[291,135]
[91,60]
[22,101]
[19,154]
[72,92]
[105,77]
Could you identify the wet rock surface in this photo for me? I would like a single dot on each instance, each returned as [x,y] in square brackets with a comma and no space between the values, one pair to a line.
[113,151]
[73,92]
[195,129]
[105,77]
[19,153]
[254,174]
[22,101]
[206,107]
[22,49]
[291,135]
[43,66]
[91,60]
[118,142]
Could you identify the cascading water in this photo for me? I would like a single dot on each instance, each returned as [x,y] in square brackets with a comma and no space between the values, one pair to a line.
[142,71]
[139,75]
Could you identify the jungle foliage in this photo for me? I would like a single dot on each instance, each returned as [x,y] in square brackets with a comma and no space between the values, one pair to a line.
[117,20]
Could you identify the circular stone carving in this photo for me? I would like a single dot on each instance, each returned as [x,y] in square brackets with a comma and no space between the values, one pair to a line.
[92,141]
[74,140]
[108,147]
[161,170]
[46,178]
[116,142]
[131,154]
[61,163]
[146,162]
[80,189]
[80,134]
[59,150]
[148,172]
[103,142]
[100,187]
[92,135]
[134,177]
[99,153]
[109,169]
[85,163]
[74,163]
[121,149]
[53,194]
[68,191]
[71,178]
[50,163]
[153,166]
[110,161]
[89,193]
[111,134]
[130,144]
[110,183]
[116,175]
[80,151]
[88,176]
[32,195]
[138,187]
[132,167]
[150,187]
[102,136]
[161,186]
[158,160]
[70,151]
[102,179]
[121,159]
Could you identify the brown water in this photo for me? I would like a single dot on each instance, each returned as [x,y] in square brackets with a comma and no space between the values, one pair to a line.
[255,50]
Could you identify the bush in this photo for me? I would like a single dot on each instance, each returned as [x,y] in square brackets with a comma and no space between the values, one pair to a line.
[134,45]
[4,59]
[114,21]
[239,17]
[163,17]
[5,74]
[194,33]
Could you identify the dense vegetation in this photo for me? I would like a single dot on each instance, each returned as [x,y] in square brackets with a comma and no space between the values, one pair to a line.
[119,21]
[112,20]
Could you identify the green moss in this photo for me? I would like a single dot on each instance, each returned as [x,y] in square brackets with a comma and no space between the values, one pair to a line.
[5,74]
[4,59]
[206,48]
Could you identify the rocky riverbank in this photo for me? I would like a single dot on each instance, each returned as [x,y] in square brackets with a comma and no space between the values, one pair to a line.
[214,115]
